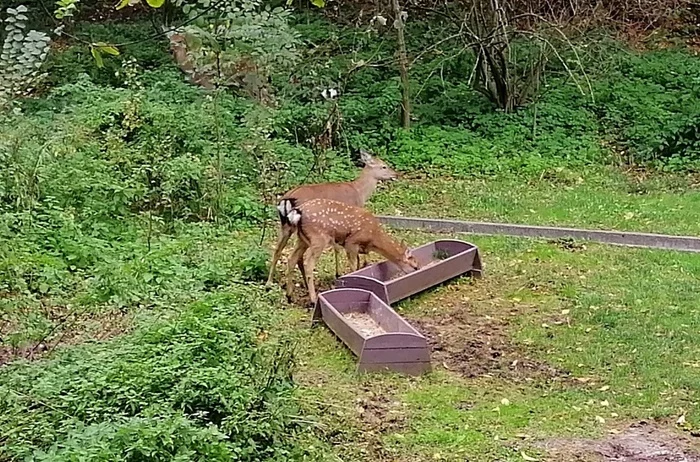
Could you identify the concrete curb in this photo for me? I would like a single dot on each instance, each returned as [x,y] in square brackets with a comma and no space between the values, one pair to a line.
[647,240]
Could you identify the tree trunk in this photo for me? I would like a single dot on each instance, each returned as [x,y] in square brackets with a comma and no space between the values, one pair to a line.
[403,67]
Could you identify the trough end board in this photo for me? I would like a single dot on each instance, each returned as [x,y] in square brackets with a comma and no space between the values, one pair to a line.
[411,368]
[365,283]
[391,340]
[395,355]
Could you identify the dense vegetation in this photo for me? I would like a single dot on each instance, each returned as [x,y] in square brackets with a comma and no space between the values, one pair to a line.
[127,193]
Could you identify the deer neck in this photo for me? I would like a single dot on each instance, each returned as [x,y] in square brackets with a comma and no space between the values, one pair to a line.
[365,184]
[388,248]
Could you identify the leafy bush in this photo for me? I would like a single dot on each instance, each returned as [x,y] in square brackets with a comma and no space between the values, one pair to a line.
[197,386]
[651,104]
[75,60]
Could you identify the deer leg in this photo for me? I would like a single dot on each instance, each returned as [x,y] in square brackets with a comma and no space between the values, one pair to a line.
[337,263]
[314,251]
[284,235]
[295,260]
[352,251]
[302,270]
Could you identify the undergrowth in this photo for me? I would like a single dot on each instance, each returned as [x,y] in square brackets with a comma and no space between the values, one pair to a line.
[198,386]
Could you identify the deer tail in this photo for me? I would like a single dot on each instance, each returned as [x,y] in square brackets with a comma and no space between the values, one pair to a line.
[288,212]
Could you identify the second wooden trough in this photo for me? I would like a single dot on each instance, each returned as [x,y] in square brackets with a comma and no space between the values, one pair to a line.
[440,261]
[372,330]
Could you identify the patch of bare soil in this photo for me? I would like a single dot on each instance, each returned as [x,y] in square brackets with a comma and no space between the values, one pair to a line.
[478,346]
[569,244]
[379,413]
[69,328]
[642,442]
[357,431]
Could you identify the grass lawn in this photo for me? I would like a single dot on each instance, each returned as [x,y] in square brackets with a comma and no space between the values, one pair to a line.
[553,342]
[598,199]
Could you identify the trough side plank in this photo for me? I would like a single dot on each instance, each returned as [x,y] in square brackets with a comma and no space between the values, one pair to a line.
[423,279]
[388,319]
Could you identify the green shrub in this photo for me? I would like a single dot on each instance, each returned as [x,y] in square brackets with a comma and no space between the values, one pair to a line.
[199,386]
[651,105]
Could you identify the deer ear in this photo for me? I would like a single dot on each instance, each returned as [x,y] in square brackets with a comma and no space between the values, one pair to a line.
[365,156]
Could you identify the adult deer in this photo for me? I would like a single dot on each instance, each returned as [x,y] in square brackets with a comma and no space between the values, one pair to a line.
[322,223]
[354,192]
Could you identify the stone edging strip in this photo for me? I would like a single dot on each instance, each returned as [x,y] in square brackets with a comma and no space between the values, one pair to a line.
[648,240]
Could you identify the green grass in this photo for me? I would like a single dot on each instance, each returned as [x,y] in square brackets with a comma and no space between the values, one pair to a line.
[598,199]
[621,322]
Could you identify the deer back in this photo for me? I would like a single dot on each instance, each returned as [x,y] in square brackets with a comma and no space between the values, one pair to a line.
[340,192]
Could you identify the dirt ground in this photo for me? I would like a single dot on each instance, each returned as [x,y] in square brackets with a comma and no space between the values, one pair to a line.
[478,346]
[641,442]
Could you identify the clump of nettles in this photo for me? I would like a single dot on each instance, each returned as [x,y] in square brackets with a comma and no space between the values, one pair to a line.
[23,55]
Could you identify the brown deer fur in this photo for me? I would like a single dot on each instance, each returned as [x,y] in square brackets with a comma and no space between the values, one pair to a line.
[354,192]
[322,223]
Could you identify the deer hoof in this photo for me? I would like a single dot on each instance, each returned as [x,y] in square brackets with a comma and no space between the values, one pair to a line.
[290,300]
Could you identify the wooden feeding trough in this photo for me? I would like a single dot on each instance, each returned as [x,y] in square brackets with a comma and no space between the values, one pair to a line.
[373,331]
[440,261]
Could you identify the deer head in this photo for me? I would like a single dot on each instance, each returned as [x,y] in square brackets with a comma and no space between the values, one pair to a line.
[377,167]
[408,262]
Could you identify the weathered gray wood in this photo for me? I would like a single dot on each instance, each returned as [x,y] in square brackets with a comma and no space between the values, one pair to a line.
[395,340]
[410,368]
[400,345]
[395,355]
[630,239]
[462,258]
